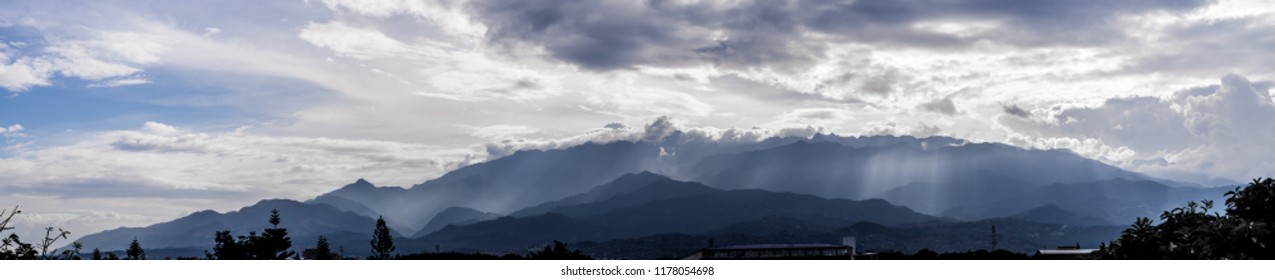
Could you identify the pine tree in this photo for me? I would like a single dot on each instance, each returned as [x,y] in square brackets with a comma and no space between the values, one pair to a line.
[274,241]
[321,249]
[97,254]
[382,242]
[135,251]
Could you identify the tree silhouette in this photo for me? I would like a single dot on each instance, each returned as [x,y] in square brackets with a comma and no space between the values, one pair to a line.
[1192,232]
[273,244]
[49,239]
[558,251]
[135,251]
[382,242]
[12,248]
[226,247]
[97,254]
[321,249]
[74,252]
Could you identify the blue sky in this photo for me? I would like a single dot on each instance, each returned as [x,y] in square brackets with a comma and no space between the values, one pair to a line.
[126,113]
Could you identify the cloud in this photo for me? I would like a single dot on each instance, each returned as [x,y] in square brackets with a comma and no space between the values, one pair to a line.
[13,131]
[501,132]
[120,83]
[820,118]
[209,31]
[943,106]
[433,68]
[357,43]
[638,102]
[1222,130]
[444,14]
[162,157]
[1014,110]
[618,35]
[107,55]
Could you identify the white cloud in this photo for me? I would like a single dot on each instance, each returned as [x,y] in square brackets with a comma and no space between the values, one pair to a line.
[209,31]
[500,132]
[636,102]
[108,55]
[1218,131]
[120,82]
[446,14]
[13,131]
[353,42]
[822,118]
[161,157]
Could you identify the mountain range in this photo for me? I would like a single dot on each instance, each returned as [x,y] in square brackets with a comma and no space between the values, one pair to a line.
[786,188]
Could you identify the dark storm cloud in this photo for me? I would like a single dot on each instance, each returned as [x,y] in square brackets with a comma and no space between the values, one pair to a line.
[606,35]
[1016,111]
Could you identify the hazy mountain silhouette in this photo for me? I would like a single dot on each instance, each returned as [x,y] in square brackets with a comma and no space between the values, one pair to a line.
[1052,214]
[777,187]
[625,184]
[303,221]
[666,206]
[830,169]
[508,233]
[454,216]
[504,185]
[1112,200]
[627,191]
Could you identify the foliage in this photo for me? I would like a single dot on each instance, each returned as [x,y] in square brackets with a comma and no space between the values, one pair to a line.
[12,248]
[382,242]
[1193,232]
[49,239]
[456,256]
[322,251]
[273,244]
[135,251]
[558,251]
[74,252]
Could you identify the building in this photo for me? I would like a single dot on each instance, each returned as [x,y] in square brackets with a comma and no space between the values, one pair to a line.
[1064,253]
[844,251]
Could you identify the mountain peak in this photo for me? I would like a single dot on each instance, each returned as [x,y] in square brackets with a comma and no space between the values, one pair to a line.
[359,184]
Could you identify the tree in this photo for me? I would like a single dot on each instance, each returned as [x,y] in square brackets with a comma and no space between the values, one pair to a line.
[74,252]
[382,242]
[226,247]
[558,251]
[135,251]
[12,248]
[321,249]
[926,254]
[97,254]
[1192,232]
[273,244]
[49,239]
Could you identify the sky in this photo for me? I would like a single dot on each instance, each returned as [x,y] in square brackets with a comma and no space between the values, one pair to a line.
[128,113]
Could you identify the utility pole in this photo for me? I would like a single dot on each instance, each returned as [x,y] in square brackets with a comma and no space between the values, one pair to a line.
[993,237]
